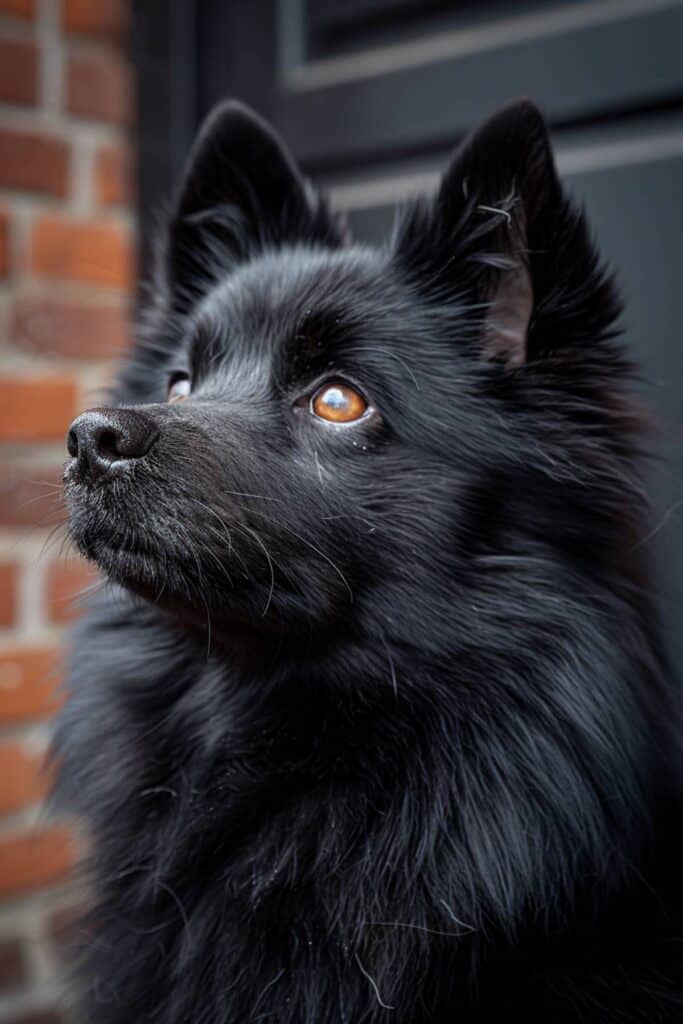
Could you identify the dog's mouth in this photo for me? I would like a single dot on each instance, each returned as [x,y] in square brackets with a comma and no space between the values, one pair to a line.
[126,563]
[148,551]
[168,545]
[111,527]
[121,560]
[178,587]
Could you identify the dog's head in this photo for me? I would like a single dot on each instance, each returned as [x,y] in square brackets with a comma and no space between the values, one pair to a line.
[309,427]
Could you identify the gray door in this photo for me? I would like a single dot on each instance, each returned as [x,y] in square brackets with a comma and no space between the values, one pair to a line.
[372,95]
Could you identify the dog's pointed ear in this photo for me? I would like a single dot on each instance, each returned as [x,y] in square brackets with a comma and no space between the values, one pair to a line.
[502,237]
[504,176]
[241,192]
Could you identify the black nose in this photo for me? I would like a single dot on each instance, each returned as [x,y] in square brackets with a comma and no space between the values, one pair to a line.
[102,438]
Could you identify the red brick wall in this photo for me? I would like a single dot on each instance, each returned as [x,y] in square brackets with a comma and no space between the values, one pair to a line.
[65,271]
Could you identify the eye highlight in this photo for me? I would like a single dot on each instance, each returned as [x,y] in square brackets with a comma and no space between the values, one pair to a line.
[179,387]
[338,402]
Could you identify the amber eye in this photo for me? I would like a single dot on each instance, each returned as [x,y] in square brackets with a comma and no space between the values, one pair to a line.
[338,403]
[179,387]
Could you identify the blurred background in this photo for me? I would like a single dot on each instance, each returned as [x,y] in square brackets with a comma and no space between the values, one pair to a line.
[99,101]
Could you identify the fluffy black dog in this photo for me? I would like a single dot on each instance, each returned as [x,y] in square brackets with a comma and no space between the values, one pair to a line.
[374,723]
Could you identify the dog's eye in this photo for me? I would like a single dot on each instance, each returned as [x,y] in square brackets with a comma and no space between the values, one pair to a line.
[179,387]
[338,403]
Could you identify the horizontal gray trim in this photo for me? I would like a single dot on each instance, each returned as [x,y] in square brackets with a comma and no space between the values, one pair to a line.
[462,41]
[631,58]
[576,159]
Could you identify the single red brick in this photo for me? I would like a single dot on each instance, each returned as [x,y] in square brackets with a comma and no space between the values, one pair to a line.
[36,408]
[66,582]
[34,859]
[71,329]
[113,178]
[30,495]
[33,162]
[4,243]
[99,252]
[98,86]
[18,8]
[18,71]
[66,926]
[24,778]
[28,684]
[12,965]
[96,19]
[9,577]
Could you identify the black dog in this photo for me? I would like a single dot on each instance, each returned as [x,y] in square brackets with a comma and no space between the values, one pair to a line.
[377,725]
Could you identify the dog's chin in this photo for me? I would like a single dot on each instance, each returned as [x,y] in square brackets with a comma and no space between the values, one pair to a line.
[136,572]
[123,554]
[239,607]
[130,568]
[158,581]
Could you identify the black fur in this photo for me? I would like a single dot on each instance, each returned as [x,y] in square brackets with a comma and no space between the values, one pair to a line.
[374,723]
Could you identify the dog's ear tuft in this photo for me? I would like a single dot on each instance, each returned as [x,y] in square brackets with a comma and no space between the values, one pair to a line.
[505,166]
[502,234]
[241,192]
[506,175]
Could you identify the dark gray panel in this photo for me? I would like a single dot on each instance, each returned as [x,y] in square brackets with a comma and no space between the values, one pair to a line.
[237,45]
[373,224]
[166,109]
[637,212]
[334,28]
[594,69]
